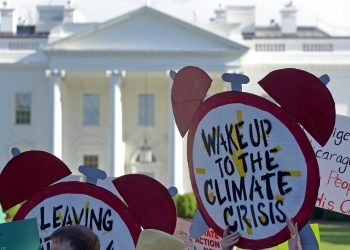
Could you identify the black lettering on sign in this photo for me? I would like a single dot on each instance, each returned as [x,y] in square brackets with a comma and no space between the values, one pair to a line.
[228,212]
[98,219]
[228,165]
[255,140]
[340,136]
[271,213]
[252,209]
[76,218]
[43,225]
[223,142]
[241,150]
[266,128]
[209,142]
[67,220]
[256,160]
[56,216]
[266,178]
[227,186]
[269,161]
[231,143]
[218,140]
[281,218]
[221,199]
[255,187]
[263,218]
[241,143]
[254,215]
[110,246]
[244,163]
[107,222]
[87,208]
[239,192]
[218,163]
[209,184]
[281,183]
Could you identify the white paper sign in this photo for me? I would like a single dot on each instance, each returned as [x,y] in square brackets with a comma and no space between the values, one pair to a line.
[208,241]
[334,164]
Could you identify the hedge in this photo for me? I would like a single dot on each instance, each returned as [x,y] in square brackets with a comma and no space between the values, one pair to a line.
[186,205]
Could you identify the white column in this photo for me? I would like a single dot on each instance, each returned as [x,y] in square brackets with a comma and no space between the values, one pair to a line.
[117,146]
[56,110]
[175,149]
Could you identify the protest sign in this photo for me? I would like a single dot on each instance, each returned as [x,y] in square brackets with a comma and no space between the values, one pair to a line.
[208,241]
[249,166]
[68,203]
[56,202]
[21,234]
[334,164]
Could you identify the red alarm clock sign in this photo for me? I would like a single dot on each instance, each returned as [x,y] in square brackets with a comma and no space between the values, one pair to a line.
[251,164]
[70,203]
[145,204]
[251,172]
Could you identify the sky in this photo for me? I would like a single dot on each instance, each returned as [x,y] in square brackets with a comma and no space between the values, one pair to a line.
[333,16]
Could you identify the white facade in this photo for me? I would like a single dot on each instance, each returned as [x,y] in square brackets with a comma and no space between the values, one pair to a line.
[99,93]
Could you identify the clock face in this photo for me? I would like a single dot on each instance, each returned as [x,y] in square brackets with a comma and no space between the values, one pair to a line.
[70,203]
[251,167]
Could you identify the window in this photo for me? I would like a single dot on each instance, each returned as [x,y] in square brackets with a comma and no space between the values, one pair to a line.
[318,47]
[271,47]
[91,161]
[23,108]
[51,16]
[23,45]
[145,155]
[91,109]
[146,110]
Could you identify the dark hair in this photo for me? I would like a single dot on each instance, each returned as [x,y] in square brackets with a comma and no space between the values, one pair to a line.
[79,237]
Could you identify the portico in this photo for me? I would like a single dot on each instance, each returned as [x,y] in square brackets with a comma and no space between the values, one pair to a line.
[120,73]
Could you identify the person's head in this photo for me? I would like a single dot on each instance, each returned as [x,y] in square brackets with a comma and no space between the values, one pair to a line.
[74,237]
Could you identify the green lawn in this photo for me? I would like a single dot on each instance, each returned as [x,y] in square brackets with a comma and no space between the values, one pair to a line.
[335,235]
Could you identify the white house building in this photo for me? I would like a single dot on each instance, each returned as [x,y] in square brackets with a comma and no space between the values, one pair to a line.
[98,94]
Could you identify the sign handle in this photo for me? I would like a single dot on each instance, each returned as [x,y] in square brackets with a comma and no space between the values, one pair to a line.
[236,80]
[92,174]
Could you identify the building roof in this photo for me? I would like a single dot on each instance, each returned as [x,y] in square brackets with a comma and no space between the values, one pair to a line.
[24,31]
[304,32]
[149,29]
[24,36]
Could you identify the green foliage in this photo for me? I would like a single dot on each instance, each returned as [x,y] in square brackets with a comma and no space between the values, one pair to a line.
[186,205]
[323,214]
[317,213]
[333,216]
[335,235]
